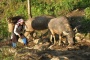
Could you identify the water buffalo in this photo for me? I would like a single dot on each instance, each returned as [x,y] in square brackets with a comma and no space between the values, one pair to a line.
[60,26]
[37,23]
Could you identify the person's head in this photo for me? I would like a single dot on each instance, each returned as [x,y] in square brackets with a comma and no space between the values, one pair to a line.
[21,21]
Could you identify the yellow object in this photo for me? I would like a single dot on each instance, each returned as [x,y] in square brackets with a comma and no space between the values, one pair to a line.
[20,40]
[10,27]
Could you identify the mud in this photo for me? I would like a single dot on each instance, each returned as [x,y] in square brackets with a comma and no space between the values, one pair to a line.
[44,50]
[80,51]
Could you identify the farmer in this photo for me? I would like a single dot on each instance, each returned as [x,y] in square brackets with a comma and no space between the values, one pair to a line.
[18,33]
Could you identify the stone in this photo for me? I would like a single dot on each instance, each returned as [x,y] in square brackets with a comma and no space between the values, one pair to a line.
[55,58]
[36,41]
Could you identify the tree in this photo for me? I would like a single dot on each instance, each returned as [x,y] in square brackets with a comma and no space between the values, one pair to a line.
[29,8]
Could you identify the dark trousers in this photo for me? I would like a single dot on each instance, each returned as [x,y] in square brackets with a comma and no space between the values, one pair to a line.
[16,37]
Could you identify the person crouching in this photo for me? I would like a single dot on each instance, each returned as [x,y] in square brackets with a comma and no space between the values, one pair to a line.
[18,33]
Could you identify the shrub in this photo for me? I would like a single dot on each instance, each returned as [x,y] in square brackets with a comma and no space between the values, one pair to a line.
[3,29]
[87,12]
[83,3]
[86,20]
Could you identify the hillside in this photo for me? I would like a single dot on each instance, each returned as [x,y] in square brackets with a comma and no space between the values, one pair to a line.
[43,50]
[78,12]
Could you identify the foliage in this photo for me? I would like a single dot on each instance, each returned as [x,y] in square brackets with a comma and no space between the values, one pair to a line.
[87,12]
[86,21]
[85,25]
[3,29]
[83,3]
[10,8]
[52,8]
[38,7]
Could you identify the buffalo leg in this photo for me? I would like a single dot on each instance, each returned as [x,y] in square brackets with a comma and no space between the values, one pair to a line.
[60,37]
[54,39]
[52,36]
[70,41]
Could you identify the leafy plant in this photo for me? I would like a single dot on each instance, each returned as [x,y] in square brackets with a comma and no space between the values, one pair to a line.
[3,29]
[83,3]
[87,12]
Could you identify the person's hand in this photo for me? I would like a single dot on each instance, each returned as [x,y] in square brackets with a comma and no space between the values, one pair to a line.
[19,35]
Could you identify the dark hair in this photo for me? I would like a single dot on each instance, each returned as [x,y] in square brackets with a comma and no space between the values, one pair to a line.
[15,19]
